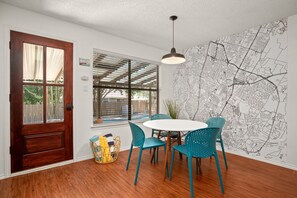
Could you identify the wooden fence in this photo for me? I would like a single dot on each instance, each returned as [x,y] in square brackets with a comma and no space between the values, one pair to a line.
[34,113]
[120,107]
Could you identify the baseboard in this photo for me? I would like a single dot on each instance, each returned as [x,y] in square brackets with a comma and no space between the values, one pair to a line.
[261,159]
[85,157]
[2,176]
[125,148]
[290,166]
[41,168]
[90,156]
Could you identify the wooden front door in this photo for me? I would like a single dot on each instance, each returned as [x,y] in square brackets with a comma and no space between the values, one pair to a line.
[40,101]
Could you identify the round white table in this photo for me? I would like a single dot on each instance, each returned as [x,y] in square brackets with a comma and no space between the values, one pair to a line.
[174,125]
[170,125]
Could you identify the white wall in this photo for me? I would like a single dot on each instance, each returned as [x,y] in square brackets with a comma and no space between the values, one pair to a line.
[166,84]
[292,92]
[85,40]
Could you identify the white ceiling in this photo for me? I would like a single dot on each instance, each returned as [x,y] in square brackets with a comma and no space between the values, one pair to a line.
[147,21]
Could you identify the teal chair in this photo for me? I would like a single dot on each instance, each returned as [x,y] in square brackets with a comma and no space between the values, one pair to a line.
[200,143]
[163,134]
[218,122]
[139,140]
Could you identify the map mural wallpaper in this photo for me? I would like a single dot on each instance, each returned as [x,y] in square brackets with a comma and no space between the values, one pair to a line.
[242,77]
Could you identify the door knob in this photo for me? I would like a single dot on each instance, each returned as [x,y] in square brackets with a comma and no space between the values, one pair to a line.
[69,107]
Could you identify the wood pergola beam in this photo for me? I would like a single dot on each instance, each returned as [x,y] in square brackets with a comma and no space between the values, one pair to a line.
[99,58]
[144,74]
[111,68]
[124,75]
[146,80]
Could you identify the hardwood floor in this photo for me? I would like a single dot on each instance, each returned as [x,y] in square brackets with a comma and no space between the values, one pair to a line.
[245,178]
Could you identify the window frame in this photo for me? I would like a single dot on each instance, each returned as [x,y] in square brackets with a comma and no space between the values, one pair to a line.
[129,89]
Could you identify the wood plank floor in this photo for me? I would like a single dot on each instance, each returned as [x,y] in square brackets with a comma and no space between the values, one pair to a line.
[245,178]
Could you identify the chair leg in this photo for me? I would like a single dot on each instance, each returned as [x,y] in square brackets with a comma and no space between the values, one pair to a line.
[138,165]
[179,143]
[152,136]
[167,172]
[223,150]
[171,165]
[191,175]
[153,156]
[219,172]
[157,155]
[128,162]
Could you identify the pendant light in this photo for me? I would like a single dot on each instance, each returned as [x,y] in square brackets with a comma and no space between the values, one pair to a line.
[173,57]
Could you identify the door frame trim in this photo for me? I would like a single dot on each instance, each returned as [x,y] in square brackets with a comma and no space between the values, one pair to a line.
[6,92]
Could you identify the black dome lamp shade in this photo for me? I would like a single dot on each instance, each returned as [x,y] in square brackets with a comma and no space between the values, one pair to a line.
[173,57]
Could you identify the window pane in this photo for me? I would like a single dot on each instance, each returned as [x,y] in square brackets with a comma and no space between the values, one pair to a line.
[144,75]
[32,63]
[110,105]
[54,65]
[154,102]
[144,104]
[55,104]
[32,104]
[111,78]
[110,71]
[140,104]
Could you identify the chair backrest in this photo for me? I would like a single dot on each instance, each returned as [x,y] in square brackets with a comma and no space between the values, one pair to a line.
[217,122]
[160,116]
[202,142]
[138,136]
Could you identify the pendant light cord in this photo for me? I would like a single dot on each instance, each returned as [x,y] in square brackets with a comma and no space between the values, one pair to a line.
[173,33]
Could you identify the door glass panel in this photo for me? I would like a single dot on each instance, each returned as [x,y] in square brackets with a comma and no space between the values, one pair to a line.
[32,63]
[32,104]
[55,104]
[54,65]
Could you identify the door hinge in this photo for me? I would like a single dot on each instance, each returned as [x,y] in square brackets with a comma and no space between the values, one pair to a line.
[9,97]
[9,44]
